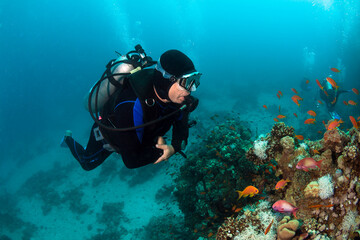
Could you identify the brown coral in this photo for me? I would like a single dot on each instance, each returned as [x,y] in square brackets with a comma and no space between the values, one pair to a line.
[335,140]
[312,189]
[287,229]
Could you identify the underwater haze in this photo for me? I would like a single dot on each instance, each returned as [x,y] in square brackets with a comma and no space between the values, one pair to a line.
[52,52]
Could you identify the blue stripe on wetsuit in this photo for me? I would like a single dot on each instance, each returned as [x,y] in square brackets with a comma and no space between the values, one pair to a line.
[138,119]
[137,116]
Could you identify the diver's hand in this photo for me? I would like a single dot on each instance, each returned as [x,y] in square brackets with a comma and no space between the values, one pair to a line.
[168,150]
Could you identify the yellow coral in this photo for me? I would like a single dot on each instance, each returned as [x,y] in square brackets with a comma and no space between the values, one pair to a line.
[312,189]
[287,229]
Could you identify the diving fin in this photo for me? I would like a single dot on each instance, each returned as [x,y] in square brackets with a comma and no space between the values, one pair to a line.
[63,144]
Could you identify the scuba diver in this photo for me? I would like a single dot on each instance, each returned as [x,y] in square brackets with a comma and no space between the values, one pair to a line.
[134,104]
[330,96]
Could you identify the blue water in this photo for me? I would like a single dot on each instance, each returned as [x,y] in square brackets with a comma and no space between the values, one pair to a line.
[52,52]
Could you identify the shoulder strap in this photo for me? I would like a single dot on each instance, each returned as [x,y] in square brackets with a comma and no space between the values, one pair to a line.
[142,83]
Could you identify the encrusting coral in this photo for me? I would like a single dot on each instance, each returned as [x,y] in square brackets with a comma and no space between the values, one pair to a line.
[287,228]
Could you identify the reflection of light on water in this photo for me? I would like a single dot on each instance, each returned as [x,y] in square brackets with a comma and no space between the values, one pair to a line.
[326,4]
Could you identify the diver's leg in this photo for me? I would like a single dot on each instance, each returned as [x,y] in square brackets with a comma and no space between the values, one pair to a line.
[92,156]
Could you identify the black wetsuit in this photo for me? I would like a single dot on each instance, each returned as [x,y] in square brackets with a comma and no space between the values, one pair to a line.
[331,96]
[132,105]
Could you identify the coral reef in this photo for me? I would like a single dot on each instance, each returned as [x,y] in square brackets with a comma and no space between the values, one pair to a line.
[250,225]
[327,196]
[205,187]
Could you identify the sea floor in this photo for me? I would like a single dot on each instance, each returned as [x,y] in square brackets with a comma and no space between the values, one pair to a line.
[54,198]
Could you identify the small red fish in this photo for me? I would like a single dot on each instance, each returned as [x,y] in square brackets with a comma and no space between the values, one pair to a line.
[335,70]
[353,121]
[294,90]
[311,113]
[334,101]
[295,99]
[265,106]
[269,227]
[280,93]
[295,115]
[355,91]
[320,102]
[281,184]
[319,84]
[332,82]
[334,124]
[351,102]
[320,205]
[248,191]
[284,207]
[281,116]
[345,102]
[310,121]
[308,163]
[300,137]
[307,81]
[276,120]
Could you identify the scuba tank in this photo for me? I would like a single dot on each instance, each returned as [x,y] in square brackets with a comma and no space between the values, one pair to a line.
[106,87]
[113,77]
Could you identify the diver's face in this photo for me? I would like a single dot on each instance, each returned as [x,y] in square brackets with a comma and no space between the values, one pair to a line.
[177,93]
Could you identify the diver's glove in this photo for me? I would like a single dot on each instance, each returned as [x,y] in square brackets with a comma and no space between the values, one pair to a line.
[191,103]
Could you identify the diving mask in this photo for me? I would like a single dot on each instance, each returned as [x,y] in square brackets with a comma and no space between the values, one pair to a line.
[188,81]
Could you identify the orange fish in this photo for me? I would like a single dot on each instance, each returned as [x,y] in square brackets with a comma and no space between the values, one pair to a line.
[281,184]
[334,124]
[320,102]
[210,234]
[280,93]
[332,82]
[310,121]
[307,81]
[276,120]
[295,115]
[355,91]
[353,121]
[238,209]
[335,70]
[265,106]
[316,151]
[281,116]
[351,102]
[319,84]
[300,137]
[345,102]
[297,97]
[311,113]
[320,205]
[269,227]
[296,101]
[326,93]
[248,191]
[294,90]
[334,101]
